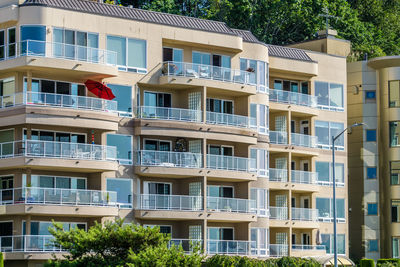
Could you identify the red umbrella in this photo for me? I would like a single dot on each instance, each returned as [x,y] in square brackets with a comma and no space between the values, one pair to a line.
[99,89]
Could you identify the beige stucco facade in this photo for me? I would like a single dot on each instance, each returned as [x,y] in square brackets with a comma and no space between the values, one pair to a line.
[243,182]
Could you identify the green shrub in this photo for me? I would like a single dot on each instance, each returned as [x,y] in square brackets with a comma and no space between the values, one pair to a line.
[394,262]
[1,260]
[367,263]
[238,261]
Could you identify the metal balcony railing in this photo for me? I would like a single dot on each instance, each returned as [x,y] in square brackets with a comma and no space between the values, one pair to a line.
[302,214]
[294,98]
[58,196]
[278,250]
[278,213]
[277,137]
[170,202]
[278,175]
[228,119]
[231,247]
[63,150]
[64,51]
[304,140]
[58,100]
[171,114]
[28,243]
[232,163]
[169,159]
[303,177]
[224,204]
[201,71]
[308,247]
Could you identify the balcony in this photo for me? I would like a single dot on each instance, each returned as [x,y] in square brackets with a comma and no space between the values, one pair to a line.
[309,247]
[304,140]
[303,177]
[28,243]
[228,119]
[278,175]
[278,138]
[302,214]
[170,114]
[293,98]
[230,163]
[229,247]
[170,202]
[224,204]
[169,159]
[278,250]
[188,245]
[278,213]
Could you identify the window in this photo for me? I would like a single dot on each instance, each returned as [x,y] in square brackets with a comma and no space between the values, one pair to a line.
[44,181]
[259,118]
[42,89]
[372,208]
[56,136]
[123,96]
[123,143]
[396,210]
[123,187]
[220,191]
[325,175]
[259,161]
[329,96]
[395,172]
[259,238]
[394,133]
[260,198]
[370,96]
[131,53]
[327,241]
[2,45]
[260,70]
[155,99]
[220,105]
[11,43]
[164,229]
[157,145]
[219,233]
[396,247]
[42,227]
[324,130]
[394,94]
[7,92]
[371,135]
[33,40]
[373,245]
[371,173]
[325,208]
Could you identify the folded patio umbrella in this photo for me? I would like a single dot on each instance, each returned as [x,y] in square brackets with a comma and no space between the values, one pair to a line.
[99,89]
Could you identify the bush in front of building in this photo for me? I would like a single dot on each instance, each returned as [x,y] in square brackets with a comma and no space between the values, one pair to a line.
[239,261]
[388,263]
[1,260]
[367,263]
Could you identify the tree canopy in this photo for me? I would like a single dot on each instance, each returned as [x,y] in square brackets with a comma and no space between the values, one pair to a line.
[373,26]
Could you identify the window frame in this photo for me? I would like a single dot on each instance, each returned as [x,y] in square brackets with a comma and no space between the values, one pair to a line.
[369,204]
[329,107]
[8,42]
[371,131]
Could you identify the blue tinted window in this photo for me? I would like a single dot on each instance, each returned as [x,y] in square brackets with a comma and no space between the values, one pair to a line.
[123,96]
[373,245]
[123,143]
[33,40]
[371,135]
[372,208]
[123,187]
[371,172]
[370,95]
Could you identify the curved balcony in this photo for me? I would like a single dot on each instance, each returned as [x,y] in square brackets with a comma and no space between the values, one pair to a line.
[230,247]
[278,175]
[278,137]
[28,243]
[287,97]
[228,119]
[169,159]
[304,140]
[303,177]
[170,114]
[170,202]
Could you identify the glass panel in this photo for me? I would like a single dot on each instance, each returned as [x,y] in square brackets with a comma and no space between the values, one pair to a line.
[11,42]
[118,45]
[37,33]
[124,147]
[341,244]
[2,45]
[395,172]
[123,187]
[322,132]
[62,182]
[46,181]
[58,39]
[394,133]
[326,241]
[69,40]
[322,169]
[324,207]
[123,96]
[137,53]
[322,93]
[340,208]
[336,95]
[394,93]
[335,129]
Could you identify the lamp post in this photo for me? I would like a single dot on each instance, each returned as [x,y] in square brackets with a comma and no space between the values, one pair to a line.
[334,138]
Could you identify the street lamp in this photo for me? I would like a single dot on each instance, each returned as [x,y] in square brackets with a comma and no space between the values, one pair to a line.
[334,138]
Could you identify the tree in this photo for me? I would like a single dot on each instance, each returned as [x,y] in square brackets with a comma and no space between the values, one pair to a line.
[117,244]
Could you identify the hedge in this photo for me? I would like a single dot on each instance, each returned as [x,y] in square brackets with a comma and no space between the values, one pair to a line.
[1,260]
[239,261]
[367,263]
[388,262]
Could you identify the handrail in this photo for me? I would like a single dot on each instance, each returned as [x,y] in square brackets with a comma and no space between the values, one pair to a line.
[228,119]
[175,114]
[287,97]
[278,175]
[304,140]
[225,204]
[169,159]
[232,163]
[230,247]
[304,214]
[278,250]
[279,213]
[308,247]
[304,177]
[278,137]
[28,243]
[170,202]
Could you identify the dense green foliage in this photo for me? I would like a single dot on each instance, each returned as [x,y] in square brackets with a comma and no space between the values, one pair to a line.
[367,263]
[373,26]
[118,244]
[388,262]
[238,261]
[1,260]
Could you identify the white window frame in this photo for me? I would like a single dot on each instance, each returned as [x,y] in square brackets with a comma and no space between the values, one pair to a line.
[55,176]
[146,188]
[55,84]
[221,227]
[257,249]
[159,225]
[329,107]
[219,186]
[158,143]
[8,43]
[54,133]
[261,212]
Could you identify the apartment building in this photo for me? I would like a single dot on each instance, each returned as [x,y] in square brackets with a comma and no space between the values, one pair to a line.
[373,98]
[212,135]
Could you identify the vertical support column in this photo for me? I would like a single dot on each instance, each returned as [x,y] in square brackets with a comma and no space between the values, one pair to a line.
[28,177]
[204,152]
[28,225]
[205,193]
[205,211]
[289,129]
[204,103]
[29,80]
[205,235]
[290,241]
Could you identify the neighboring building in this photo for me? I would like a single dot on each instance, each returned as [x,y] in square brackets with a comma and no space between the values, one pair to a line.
[213,135]
[374,157]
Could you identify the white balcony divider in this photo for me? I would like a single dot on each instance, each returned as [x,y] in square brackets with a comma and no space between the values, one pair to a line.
[63,150]
[187,244]
[304,140]
[172,114]
[294,98]
[302,214]
[224,204]
[277,137]
[169,159]
[28,243]
[230,247]
[58,196]
[278,213]
[228,119]
[278,250]
[66,51]
[201,71]
[278,175]
[220,162]
[58,100]
[303,177]
[308,247]
[170,202]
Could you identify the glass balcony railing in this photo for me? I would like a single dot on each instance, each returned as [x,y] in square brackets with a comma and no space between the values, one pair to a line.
[170,202]
[278,213]
[302,214]
[58,100]
[309,247]
[224,204]
[231,247]
[62,150]
[170,114]
[278,250]
[169,159]
[58,196]
[228,119]
[65,51]
[231,163]
[28,243]
[209,72]
[304,140]
[294,98]
[303,177]
[277,137]
[278,175]
[188,245]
